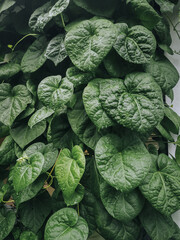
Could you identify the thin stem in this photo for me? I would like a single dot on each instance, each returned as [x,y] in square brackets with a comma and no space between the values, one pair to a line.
[10,201]
[78,209]
[62,19]
[30,34]
[174,26]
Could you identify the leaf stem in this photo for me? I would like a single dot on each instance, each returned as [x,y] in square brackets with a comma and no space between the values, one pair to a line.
[30,34]
[62,19]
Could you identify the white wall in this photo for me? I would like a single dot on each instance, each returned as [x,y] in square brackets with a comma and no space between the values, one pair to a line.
[175,59]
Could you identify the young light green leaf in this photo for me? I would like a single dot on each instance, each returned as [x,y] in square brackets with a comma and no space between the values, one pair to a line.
[54,91]
[7,220]
[69,169]
[8,70]
[42,15]
[161,186]
[23,135]
[7,153]
[144,12]
[136,44]
[40,115]
[88,43]
[56,51]
[13,100]
[26,171]
[93,106]
[135,103]
[112,229]
[123,162]
[163,72]
[121,206]
[34,57]
[34,212]
[65,225]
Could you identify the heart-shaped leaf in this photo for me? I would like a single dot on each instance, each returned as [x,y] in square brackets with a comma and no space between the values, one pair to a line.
[66,225]
[88,43]
[76,197]
[123,162]
[13,100]
[69,169]
[8,70]
[7,153]
[26,171]
[7,220]
[54,91]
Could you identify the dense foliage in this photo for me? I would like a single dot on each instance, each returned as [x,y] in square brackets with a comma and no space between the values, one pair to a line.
[83,124]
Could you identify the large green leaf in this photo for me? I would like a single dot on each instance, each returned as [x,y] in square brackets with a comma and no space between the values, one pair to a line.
[54,91]
[93,106]
[30,191]
[56,51]
[156,225]
[172,120]
[121,206]
[26,171]
[34,57]
[112,229]
[7,153]
[166,6]
[164,73]
[135,103]
[34,212]
[6,4]
[42,15]
[103,8]
[66,225]
[13,100]
[144,12]
[23,134]
[40,115]
[49,152]
[123,162]
[8,70]
[69,169]
[136,44]
[77,77]
[88,43]
[81,124]
[162,186]
[7,221]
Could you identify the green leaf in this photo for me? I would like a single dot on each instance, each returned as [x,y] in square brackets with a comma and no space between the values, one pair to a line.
[76,197]
[13,101]
[77,77]
[54,91]
[4,130]
[165,133]
[161,186]
[34,212]
[162,29]
[42,15]
[30,191]
[144,12]
[112,229]
[136,44]
[81,124]
[8,70]
[135,103]
[177,153]
[102,8]
[69,169]
[28,235]
[40,115]
[166,6]
[66,225]
[6,4]
[164,73]
[123,162]
[7,220]
[172,120]
[88,43]
[117,66]
[93,106]
[49,152]
[156,225]
[26,171]
[34,57]
[56,51]
[23,135]
[7,153]
[121,206]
